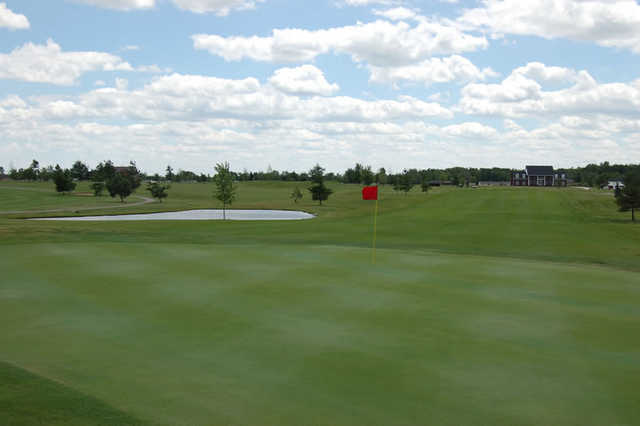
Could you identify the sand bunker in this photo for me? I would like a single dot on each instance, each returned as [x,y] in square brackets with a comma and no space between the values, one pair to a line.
[198,215]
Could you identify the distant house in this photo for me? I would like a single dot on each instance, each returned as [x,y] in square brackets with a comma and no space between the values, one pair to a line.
[613,184]
[538,176]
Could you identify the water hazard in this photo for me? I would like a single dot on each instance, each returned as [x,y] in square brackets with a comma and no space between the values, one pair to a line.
[197,215]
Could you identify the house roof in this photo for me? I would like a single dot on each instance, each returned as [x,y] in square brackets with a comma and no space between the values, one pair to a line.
[540,170]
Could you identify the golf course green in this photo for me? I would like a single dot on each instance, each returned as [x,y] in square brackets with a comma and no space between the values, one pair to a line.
[486,306]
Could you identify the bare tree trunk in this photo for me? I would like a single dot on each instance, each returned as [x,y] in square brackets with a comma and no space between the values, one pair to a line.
[224,211]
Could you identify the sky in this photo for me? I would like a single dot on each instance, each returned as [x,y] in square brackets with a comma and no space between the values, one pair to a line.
[291,83]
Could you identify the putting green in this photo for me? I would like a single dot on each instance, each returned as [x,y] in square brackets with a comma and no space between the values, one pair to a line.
[479,316]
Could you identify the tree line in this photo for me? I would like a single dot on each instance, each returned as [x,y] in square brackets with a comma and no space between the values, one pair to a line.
[590,175]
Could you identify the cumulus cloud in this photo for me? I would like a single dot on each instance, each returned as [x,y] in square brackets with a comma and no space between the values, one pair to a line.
[120,4]
[304,80]
[50,64]
[611,23]
[396,14]
[11,20]
[379,43]
[523,93]
[435,70]
[219,7]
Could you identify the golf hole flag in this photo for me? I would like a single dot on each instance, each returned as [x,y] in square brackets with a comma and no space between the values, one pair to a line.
[370,193]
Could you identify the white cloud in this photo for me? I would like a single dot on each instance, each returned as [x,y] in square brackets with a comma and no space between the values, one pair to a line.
[49,64]
[379,43]
[303,80]
[120,4]
[219,7]
[470,130]
[434,70]
[523,94]
[611,23]
[11,20]
[369,2]
[396,14]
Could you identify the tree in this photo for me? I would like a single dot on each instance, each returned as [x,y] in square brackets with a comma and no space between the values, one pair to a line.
[1,172]
[403,182]
[628,198]
[424,185]
[381,176]
[296,195]
[157,190]
[119,185]
[98,188]
[169,174]
[225,187]
[80,171]
[63,180]
[319,192]
[367,175]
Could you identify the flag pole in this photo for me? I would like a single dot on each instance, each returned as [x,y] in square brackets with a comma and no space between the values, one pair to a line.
[375,231]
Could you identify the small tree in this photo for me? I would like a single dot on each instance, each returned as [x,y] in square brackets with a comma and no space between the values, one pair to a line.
[403,182]
[169,175]
[225,188]
[424,186]
[157,190]
[98,188]
[80,171]
[367,176]
[628,198]
[296,195]
[119,185]
[63,180]
[319,192]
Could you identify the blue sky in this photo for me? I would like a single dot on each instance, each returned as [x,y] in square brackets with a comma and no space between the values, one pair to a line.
[391,83]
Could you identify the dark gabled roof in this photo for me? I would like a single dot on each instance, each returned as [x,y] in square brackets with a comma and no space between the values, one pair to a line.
[540,170]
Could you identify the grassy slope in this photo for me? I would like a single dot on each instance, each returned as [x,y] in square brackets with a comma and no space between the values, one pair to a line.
[28,399]
[462,321]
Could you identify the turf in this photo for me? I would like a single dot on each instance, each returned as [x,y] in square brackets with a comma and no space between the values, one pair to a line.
[489,306]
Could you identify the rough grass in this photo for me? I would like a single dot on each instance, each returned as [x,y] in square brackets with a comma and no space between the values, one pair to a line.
[489,306]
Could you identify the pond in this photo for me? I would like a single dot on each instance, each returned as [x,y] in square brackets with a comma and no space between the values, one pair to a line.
[197,215]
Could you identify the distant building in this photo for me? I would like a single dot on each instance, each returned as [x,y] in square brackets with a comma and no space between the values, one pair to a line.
[538,176]
[613,184]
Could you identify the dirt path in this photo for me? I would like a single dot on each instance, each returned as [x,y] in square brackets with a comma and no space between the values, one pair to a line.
[145,200]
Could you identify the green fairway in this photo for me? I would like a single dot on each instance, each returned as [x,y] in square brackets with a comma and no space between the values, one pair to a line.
[486,306]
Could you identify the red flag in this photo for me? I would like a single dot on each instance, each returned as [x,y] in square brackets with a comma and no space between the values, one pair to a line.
[370,193]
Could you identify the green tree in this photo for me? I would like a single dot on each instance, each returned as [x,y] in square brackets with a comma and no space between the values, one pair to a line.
[98,188]
[158,190]
[119,186]
[169,174]
[381,176]
[628,198]
[403,182]
[319,191]
[1,172]
[367,175]
[63,180]
[225,187]
[424,185]
[296,195]
[80,171]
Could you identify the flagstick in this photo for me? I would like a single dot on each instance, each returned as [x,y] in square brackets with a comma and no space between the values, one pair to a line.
[375,230]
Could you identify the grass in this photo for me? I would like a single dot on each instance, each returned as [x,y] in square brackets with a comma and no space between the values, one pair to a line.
[488,306]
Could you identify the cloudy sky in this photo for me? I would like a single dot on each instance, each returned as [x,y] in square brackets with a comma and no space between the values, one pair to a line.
[291,83]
